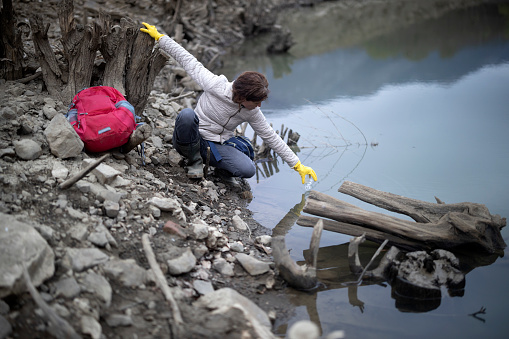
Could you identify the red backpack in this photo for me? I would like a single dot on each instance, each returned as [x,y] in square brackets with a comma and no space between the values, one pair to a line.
[102,117]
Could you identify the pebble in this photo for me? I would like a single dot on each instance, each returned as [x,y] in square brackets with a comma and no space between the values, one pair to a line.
[252,265]
[223,267]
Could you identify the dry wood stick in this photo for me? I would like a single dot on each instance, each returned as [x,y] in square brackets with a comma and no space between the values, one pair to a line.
[369,263]
[253,141]
[57,325]
[29,78]
[243,128]
[68,183]
[353,254]
[188,94]
[210,64]
[314,244]
[207,162]
[160,279]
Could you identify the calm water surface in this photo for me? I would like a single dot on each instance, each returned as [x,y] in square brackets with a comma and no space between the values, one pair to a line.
[420,112]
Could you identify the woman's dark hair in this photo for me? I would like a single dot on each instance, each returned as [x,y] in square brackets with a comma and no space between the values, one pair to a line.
[250,86]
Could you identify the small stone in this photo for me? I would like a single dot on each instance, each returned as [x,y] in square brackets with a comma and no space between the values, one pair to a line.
[27,149]
[239,223]
[78,232]
[76,214]
[237,247]
[99,286]
[223,267]
[98,239]
[116,320]
[156,212]
[7,113]
[264,239]
[203,287]
[82,258]
[200,250]
[200,230]
[304,329]
[91,327]
[165,204]
[67,288]
[111,208]
[59,171]
[105,174]
[183,263]
[49,112]
[173,228]
[126,271]
[251,265]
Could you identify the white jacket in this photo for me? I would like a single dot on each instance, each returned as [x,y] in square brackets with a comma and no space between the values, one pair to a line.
[218,114]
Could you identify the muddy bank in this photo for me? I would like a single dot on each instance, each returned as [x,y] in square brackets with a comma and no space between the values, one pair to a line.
[88,260]
[82,246]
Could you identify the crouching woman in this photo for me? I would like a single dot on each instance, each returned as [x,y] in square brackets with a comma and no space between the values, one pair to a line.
[222,107]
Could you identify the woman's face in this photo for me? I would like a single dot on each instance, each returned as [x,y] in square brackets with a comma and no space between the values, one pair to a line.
[251,104]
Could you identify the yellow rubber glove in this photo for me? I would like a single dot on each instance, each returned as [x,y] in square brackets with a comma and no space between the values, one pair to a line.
[152,31]
[304,170]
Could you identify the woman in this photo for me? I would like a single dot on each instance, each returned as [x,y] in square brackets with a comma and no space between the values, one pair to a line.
[222,106]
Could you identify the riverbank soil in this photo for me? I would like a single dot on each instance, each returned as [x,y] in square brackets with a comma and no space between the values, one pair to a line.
[82,246]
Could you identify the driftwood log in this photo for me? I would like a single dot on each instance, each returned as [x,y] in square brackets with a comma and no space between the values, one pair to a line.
[298,276]
[445,226]
[416,278]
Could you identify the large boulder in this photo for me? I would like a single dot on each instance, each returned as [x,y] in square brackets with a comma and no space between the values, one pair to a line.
[21,244]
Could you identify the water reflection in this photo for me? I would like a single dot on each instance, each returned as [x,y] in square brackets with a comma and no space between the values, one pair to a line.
[433,94]
[437,49]
[333,273]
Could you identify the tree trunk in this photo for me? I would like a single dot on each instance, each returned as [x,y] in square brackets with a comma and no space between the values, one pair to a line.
[131,61]
[51,72]
[11,46]
[143,66]
[451,225]
[80,49]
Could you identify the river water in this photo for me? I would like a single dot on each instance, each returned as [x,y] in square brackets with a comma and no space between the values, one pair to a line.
[420,109]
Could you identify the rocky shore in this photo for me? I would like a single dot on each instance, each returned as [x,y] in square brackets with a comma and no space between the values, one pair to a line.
[87,248]
[82,246]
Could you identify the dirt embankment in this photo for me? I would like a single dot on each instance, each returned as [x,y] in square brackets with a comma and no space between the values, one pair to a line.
[86,257]
[82,246]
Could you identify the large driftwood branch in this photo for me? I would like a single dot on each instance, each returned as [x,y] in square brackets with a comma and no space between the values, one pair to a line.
[454,229]
[357,231]
[420,211]
[301,277]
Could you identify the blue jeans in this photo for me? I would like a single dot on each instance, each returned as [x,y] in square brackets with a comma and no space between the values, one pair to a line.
[186,133]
